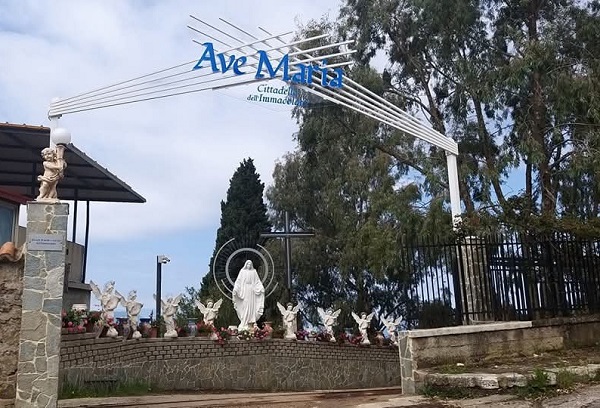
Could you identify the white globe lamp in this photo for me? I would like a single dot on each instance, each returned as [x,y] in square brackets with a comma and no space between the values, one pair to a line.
[60,136]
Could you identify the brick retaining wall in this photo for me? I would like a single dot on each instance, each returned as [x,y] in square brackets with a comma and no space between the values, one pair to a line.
[188,363]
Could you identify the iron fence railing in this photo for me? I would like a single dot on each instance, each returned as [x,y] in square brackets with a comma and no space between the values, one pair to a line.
[500,278]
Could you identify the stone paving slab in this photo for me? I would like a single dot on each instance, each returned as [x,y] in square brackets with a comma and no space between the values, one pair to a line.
[489,381]
[233,399]
[399,402]
[586,397]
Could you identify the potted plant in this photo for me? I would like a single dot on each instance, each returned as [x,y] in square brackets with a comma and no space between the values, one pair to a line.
[342,338]
[73,321]
[268,328]
[245,335]
[181,326]
[323,337]
[93,318]
[157,327]
[223,335]
[203,330]
[263,333]
[302,334]
[153,333]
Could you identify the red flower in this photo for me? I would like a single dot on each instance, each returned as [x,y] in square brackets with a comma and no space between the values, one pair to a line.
[70,324]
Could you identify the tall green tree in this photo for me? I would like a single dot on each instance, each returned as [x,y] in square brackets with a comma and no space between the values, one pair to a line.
[514,82]
[356,197]
[243,218]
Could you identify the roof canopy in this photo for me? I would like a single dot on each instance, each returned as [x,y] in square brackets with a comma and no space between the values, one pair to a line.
[85,179]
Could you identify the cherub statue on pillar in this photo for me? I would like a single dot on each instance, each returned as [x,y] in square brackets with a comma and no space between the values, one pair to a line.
[54,167]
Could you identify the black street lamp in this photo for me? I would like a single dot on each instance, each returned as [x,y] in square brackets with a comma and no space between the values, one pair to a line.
[160,260]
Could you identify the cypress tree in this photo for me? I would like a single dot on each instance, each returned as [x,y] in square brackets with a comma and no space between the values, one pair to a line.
[243,217]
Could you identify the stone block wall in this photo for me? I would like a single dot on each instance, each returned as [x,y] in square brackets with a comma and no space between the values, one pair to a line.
[193,363]
[580,331]
[11,289]
[485,345]
[421,349]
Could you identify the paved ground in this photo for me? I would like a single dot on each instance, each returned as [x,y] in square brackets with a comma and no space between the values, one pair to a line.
[338,399]
[587,397]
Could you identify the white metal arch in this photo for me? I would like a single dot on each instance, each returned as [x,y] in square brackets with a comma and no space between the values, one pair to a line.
[184,79]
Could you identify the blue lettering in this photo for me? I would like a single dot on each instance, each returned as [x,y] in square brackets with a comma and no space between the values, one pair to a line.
[264,60]
[323,70]
[298,77]
[224,66]
[208,55]
[238,63]
[304,75]
[337,81]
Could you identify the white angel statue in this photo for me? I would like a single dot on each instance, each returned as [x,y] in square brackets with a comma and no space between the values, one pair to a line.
[169,309]
[392,328]
[289,319]
[134,308]
[109,300]
[363,324]
[210,311]
[329,319]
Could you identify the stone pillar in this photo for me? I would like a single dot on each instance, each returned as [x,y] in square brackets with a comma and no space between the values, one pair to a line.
[408,366]
[475,281]
[43,277]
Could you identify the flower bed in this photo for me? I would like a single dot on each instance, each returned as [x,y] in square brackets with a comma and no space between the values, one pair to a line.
[74,321]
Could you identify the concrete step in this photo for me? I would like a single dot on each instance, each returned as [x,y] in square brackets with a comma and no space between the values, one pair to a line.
[494,381]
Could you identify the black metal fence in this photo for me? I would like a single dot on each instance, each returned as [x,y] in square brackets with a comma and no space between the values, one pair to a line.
[500,278]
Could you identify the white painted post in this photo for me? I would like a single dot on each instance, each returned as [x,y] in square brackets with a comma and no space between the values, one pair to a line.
[454,188]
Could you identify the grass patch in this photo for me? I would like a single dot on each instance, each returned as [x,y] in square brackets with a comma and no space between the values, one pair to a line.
[566,380]
[537,387]
[444,392]
[102,389]
[596,377]
[451,369]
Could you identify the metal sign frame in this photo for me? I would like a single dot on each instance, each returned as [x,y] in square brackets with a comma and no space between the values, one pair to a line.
[186,78]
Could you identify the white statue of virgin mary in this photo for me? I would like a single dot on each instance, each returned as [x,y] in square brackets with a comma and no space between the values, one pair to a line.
[248,296]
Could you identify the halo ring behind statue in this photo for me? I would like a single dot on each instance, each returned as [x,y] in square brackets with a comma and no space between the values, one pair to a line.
[267,275]
[237,251]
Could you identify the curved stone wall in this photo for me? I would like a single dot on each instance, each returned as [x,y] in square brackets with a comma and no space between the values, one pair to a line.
[194,363]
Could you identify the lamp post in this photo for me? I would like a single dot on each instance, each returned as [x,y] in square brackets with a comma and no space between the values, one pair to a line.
[160,260]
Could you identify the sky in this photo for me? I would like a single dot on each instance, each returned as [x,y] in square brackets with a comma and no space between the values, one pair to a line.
[179,153]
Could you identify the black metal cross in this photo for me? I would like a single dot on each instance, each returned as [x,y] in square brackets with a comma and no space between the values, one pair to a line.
[287,235]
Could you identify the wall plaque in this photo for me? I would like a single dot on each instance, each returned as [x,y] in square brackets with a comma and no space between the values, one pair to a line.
[45,242]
